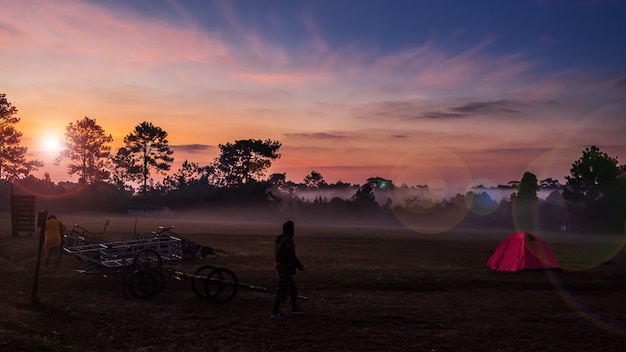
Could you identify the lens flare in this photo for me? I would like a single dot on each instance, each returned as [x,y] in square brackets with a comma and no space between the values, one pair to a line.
[527,215]
[41,195]
[482,196]
[536,218]
[577,252]
[569,261]
[425,202]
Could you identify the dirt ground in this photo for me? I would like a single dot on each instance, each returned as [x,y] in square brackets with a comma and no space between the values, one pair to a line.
[367,293]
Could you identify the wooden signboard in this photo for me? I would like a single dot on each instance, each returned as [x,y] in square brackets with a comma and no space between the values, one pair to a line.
[23,214]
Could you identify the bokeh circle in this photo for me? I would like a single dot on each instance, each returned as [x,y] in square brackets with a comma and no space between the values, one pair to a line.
[425,198]
[483,196]
[579,252]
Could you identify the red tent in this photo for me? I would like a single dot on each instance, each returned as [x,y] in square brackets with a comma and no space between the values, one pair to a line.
[523,251]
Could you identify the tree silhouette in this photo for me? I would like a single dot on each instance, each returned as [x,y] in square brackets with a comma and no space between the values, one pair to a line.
[123,170]
[364,194]
[381,183]
[364,199]
[339,185]
[13,163]
[277,179]
[146,149]
[314,180]
[245,160]
[186,177]
[512,184]
[594,192]
[524,202]
[550,183]
[527,188]
[87,150]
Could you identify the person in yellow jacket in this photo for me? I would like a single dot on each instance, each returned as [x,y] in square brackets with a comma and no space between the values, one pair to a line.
[53,240]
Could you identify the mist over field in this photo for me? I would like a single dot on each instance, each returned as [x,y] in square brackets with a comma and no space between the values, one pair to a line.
[454,169]
[497,194]
[416,210]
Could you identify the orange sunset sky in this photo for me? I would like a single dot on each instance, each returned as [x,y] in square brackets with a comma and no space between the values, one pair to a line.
[446,93]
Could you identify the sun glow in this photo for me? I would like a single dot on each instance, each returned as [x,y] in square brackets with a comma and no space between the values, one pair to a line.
[51,144]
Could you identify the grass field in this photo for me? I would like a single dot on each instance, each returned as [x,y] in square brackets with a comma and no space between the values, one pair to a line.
[370,289]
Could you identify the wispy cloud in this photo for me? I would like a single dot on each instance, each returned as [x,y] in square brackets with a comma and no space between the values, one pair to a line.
[104,44]
[487,108]
[402,110]
[84,29]
[341,103]
[291,79]
[318,135]
[443,115]
[620,86]
[410,111]
[193,148]
[490,107]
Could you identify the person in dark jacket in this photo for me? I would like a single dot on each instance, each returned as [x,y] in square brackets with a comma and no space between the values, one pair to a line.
[287,263]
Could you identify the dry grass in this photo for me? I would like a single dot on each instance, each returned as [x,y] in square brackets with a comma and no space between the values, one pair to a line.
[370,290]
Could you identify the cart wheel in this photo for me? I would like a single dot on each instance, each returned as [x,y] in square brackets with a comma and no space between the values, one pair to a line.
[146,283]
[198,283]
[147,259]
[221,285]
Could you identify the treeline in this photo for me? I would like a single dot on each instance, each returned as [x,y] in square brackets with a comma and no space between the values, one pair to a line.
[594,196]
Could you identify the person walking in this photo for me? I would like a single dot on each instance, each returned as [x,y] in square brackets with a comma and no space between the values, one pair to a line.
[287,264]
[53,240]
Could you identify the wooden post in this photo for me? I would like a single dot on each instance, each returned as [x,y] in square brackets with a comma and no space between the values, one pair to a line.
[41,222]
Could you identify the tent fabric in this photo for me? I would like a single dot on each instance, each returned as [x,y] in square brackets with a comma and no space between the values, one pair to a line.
[523,251]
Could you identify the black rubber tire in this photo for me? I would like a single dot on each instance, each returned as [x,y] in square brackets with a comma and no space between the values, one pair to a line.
[144,284]
[147,259]
[198,283]
[221,285]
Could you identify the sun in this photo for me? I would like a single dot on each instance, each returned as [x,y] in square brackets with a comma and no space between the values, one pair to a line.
[51,144]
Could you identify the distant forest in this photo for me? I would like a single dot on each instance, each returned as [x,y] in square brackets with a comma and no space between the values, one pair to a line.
[593,197]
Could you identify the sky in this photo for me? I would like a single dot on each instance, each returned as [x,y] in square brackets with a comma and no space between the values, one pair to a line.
[445,93]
